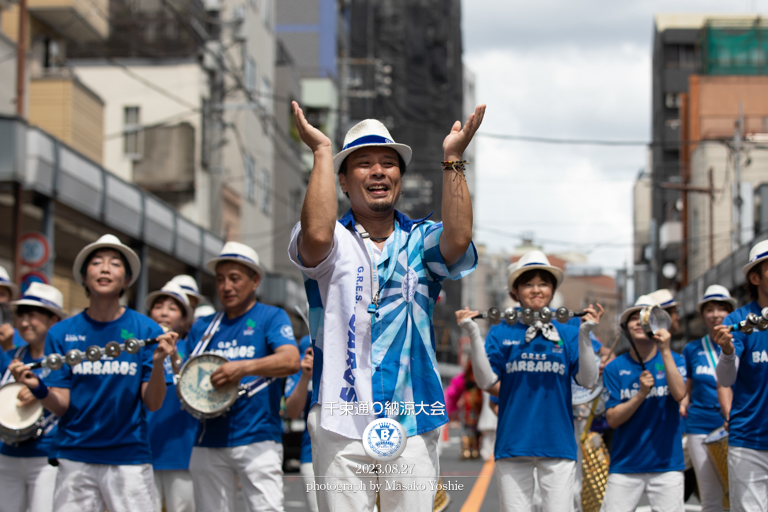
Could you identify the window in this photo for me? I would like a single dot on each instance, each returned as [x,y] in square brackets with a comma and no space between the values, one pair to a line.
[265,95]
[249,73]
[249,178]
[266,13]
[266,192]
[132,133]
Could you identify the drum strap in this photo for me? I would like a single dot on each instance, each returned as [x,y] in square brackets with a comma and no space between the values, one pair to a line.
[7,376]
[257,385]
[709,350]
[208,334]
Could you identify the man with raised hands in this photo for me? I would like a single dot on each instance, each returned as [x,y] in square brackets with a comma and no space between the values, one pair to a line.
[372,279]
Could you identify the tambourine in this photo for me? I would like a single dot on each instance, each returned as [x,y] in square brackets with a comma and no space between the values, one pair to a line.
[752,322]
[18,422]
[93,353]
[528,316]
[653,319]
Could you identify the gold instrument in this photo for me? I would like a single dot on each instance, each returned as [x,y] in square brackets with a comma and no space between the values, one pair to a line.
[595,463]
[717,448]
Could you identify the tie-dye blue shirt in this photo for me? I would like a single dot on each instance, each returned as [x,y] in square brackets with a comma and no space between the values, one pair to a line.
[380,364]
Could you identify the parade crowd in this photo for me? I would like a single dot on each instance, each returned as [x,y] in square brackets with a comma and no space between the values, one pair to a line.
[110,409]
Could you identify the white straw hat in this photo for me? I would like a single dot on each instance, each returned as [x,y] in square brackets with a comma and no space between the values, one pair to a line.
[173,290]
[5,280]
[239,253]
[642,301]
[189,285]
[107,242]
[43,296]
[369,133]
[530,261]
[716,293]
[664,298]
[758,254]
[204,310]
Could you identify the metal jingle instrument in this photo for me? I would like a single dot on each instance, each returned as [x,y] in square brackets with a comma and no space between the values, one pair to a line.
[493,315]
[545,315]
[752,322]
[93,353]
[653,319]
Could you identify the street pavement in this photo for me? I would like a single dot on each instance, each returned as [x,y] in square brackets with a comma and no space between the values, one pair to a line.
[471,490]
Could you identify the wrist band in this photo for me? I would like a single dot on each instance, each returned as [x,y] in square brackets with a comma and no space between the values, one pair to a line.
[457,166]
[41,391]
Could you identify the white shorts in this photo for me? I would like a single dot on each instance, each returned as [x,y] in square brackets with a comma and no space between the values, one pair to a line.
[664,491]
[516,483]
[259,467]
[82,487]
[27,484]
[337,460]
[710,488]
[748,479]
[174,490]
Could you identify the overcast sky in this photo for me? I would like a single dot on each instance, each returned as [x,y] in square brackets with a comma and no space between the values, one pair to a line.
[565,69]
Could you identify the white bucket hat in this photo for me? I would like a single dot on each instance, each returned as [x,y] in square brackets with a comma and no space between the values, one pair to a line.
[107,242]
[664,298]
[716,293]
[530,261]
[758,254]
[189,285]
[369,133]
[204,310]
[642,301]
[43,296]
[239,253]
[173,290]
[5,280]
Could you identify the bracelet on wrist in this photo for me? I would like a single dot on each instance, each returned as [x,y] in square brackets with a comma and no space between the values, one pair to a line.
[457,166]
[41,391]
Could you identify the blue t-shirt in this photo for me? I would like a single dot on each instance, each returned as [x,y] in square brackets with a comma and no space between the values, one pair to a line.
[171,428]
[255,334]
[18,341]
[290,385]
[535,411]
[748,423]
[41,446]
[105,422]
[703,412]
[651,440]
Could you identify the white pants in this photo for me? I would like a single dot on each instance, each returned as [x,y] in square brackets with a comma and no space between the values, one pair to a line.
[82,487]
[710,488]
[259,467]
[336,461]
[748,479]
[664,491]
[27,484]
[487,444]
[308,474]
[174,488]
[516,483]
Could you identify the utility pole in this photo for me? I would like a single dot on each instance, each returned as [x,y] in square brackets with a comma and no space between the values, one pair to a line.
[21,58]
[710,191]
[737,202]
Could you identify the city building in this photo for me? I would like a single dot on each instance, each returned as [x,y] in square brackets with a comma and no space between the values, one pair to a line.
[680,49]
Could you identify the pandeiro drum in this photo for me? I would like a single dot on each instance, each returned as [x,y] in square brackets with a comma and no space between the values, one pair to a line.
[18,422]
[197,394]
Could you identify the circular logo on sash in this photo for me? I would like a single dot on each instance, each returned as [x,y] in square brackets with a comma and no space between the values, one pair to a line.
[410,281]
[384,439]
